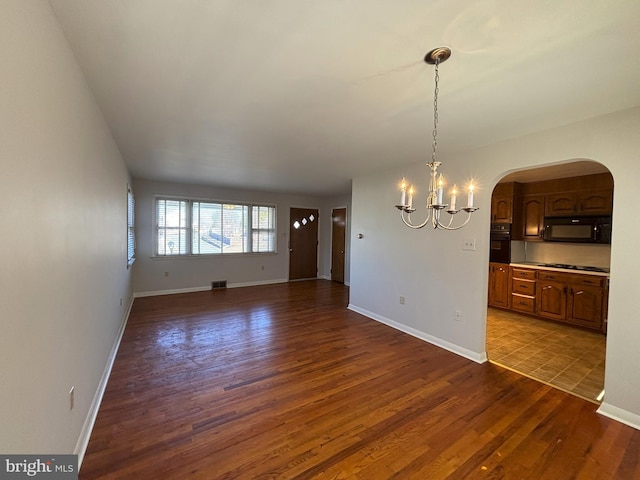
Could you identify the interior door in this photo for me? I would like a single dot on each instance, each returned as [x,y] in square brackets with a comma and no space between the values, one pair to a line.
[339,221]
[303,243]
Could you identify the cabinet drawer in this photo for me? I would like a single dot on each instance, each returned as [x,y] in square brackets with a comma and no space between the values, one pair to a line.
[523,303]
[556,277]
[520,273]
[523,286]
[588,280]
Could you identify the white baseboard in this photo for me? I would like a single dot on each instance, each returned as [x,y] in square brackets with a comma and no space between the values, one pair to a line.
[170,291]
[620,415]
[207,287]
[87,427]
[255,284]
[438,342]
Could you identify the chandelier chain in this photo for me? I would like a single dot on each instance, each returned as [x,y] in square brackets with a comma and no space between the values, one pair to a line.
[435,113]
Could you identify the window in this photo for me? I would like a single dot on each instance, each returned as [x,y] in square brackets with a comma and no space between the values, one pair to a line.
[131,234]
[263,229]
[171,217]
[194,227]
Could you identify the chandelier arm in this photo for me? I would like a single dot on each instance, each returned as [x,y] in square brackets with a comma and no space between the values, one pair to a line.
[458,227]
[408,223]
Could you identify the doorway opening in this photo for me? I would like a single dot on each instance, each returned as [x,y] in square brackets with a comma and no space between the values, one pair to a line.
[547,305]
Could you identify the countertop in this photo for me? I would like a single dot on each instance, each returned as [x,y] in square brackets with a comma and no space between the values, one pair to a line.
[537,266]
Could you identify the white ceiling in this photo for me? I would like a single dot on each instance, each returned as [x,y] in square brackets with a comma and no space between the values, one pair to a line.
[301,96]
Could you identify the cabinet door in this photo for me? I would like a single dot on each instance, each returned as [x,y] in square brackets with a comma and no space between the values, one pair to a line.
[499,285]
[561,204]
[551,299]
[596,203]
[501,207]
[533,217]
[584,306]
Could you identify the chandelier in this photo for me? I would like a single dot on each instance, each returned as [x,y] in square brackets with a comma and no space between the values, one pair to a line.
[435,203]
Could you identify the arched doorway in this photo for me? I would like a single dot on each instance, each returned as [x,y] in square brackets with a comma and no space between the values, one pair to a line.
[547,305]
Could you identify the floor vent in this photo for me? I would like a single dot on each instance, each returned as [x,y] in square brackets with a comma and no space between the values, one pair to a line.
[219,284]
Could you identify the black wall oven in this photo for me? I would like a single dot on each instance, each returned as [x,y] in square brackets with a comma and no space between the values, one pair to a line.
[500,243]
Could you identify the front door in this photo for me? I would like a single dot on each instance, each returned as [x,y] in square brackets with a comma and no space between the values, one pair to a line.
[339,221]
[303,243]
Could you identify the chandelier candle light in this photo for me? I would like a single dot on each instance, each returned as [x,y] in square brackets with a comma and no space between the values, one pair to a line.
[436,182]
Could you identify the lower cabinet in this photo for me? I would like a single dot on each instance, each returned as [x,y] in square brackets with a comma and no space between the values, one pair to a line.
[523,290]
[499,285]
[576,299]
[551,301]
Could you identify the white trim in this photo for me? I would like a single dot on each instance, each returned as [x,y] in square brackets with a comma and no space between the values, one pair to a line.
[255,284]
[208,287]
[90,419]
[438,342]
[620,415]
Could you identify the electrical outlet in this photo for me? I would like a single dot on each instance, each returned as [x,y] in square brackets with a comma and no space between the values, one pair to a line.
[120,301]
[262,267]
[72,397]
[469,244]
[166,274]
[457,316]
[401,300]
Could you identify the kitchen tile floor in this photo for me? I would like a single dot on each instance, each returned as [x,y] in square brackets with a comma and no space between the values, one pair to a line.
[571,359]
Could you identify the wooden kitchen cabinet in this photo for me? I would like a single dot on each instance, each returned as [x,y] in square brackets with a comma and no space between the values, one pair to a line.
[532,217]
[499,285]
[523,290]
[576,299]
[585,302]
[551,299]
[502,209]
[573,298]
[502,202]
[598,202]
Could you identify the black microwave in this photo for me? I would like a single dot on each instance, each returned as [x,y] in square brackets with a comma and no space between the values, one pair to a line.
[577,229]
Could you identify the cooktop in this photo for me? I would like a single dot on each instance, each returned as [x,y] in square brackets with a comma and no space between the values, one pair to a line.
[585,268]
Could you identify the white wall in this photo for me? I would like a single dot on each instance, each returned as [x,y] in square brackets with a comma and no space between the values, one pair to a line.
[63,238]
[196,272]
[436,277]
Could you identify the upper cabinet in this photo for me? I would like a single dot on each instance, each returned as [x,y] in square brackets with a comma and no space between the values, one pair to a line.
[580,203]
[525,205]
[532,216]
[502,209]
[502,203]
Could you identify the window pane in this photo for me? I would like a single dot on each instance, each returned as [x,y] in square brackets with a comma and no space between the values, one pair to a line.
[171,216]
[207,228]
[131,239]
[236,226]
[263,241]
[263,236]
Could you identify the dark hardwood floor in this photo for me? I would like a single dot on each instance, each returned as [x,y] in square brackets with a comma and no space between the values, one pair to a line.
[282,381]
